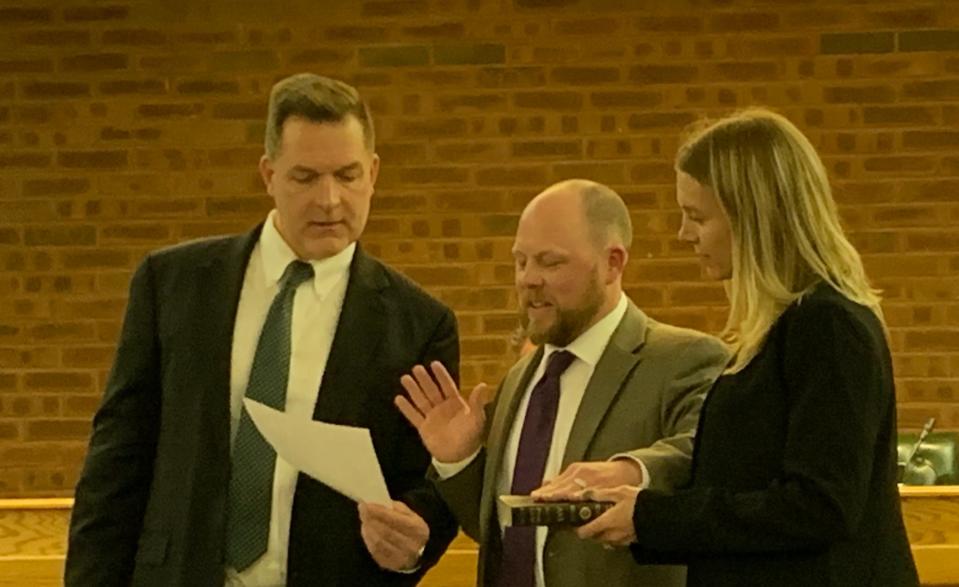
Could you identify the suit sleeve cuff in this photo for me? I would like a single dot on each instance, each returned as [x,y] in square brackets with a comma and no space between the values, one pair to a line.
[645,483]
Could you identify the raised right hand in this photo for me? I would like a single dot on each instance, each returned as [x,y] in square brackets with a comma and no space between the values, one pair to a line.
[450,428]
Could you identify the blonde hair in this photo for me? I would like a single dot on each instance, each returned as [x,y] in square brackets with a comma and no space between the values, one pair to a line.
[787,236]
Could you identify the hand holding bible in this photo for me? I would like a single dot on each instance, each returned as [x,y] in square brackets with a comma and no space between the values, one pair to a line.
[615,527]
[577,478]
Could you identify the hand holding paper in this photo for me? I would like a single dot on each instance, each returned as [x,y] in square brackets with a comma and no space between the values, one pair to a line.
[339,456]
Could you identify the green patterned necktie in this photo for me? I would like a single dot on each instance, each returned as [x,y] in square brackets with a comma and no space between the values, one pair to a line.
[251,473]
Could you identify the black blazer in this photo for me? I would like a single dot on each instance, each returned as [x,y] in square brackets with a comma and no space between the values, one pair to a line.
[151,500]
[794,470]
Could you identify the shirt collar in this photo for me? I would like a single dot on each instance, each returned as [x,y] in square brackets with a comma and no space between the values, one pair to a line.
[589,346]
[277,255]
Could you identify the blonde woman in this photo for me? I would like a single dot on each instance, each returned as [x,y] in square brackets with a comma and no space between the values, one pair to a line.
[795,459]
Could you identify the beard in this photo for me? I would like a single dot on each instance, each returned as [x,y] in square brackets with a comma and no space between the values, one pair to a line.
[569,322]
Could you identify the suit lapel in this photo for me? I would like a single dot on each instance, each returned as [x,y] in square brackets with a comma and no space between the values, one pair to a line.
[353,354]
[511,392]
[617,361]
[219,282]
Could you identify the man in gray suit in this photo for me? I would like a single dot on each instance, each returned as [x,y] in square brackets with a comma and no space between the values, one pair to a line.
[610,397]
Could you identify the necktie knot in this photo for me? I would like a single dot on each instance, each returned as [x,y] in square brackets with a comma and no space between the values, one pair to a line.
[559,361]
[296,273]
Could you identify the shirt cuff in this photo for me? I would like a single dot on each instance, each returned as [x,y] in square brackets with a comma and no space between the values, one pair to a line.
[625,455]
[416,568]
[447,470]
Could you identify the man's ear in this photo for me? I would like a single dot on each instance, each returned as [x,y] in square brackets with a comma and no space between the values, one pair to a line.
[374,169]
[616,258]
[266,171]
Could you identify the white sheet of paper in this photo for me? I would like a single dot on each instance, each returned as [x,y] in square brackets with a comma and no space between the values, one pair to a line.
[339,456]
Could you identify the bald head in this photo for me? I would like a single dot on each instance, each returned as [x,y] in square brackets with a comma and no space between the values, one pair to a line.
[601,209]
[570,253]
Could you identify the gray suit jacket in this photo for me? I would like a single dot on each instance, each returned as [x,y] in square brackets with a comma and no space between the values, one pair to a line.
[643,398]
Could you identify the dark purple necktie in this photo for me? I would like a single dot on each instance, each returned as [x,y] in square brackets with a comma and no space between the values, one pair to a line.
[519,544]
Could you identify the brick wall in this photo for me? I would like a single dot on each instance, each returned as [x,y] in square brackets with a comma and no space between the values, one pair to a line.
[132,124]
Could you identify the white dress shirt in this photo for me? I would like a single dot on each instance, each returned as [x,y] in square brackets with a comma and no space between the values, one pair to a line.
[588,348]
[316,311]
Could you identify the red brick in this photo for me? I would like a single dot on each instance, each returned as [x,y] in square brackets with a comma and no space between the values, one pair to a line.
[927,40]
[587,26]
[24,160]
[545,3]
[9,236]
[835,43]
[695,295]
[64,235]
[470,151]
[58,381]
[925,140]
[378,8]
[928,240]
[396,153]
[8,381]
[513,175]
[468,201]
[858,94]
[938,340]
[473,54]
[24,15]
[906,115]
[930,191]
[433,175]
[57,429]
[446,30]
[584,75]
[548,100]
[903,17]
[653,173]
[133,37]
[550,149]
[234,61]
[55,38]
[54,90]
[898,164]
[80,405]
[670,120]
[669,24]
[88,356]
[663,74]
[788,47]
[434,127]
[742,71]
[471,103]
[511,77]
[744,21]
[95,13]
[321,55]
[932,90]
[26,66]
[626,99]
[207,86]
[95,62]
[603,172]
[395,56]
[9,431]
[62,332]
[92,159]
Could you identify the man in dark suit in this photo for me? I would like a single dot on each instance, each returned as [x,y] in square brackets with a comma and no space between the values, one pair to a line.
[179,488]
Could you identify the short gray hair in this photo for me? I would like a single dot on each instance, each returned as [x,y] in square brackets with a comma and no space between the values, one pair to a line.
[317,99]
[606,215]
